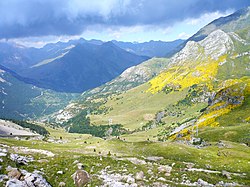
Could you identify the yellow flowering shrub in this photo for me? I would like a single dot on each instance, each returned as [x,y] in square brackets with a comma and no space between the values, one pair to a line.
[187,75]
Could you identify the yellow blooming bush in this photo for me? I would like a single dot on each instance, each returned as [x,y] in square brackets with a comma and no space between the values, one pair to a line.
[187,75]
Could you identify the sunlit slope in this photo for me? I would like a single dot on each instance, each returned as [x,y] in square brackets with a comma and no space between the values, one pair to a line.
[136,107]
[177,98]
[92,99]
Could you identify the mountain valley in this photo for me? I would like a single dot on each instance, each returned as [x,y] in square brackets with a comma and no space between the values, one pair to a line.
[94,113]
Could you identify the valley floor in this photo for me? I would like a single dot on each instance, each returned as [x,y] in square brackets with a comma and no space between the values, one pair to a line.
[125,162]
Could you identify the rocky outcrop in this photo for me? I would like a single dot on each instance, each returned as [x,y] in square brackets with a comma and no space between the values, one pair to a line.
[214,45]
[21,159]
[23,178]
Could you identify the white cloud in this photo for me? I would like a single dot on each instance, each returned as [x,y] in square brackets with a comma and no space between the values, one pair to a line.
[183,35]
[208,17]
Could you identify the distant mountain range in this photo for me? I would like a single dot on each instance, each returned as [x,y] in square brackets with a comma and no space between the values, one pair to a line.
[82,67]
[78,65]
[151,48]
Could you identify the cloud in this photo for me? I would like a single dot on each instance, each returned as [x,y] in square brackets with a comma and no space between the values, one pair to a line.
[25,18]
[208,17]
[183,35]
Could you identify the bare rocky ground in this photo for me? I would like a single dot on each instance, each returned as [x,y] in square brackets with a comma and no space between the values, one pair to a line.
[9,128]
[27,167]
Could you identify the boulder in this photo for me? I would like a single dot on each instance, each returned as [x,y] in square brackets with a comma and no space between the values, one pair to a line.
[81,178]
[14,173]
[139,175]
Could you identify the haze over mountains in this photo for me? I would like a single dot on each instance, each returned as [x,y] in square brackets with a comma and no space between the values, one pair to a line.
[78,65]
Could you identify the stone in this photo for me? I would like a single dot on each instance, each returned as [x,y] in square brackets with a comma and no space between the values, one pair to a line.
[3,177]
[14,173]
[161,179]
[154,158]
[167,174]
[196,141]
[164,169]
[62,184]
[81,178]
[150,172]
[189,165]
[208,166]
[3,154]
[137,161]
[139,175]
[60,172]
[221,144]
[14,183]
[21,159]
[133,185]
[130,180]
[3,150]
[80,166]
[201,182]
[226,174]
[35,179]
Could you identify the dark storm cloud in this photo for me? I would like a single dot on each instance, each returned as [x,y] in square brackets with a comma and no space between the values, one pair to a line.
[24,18]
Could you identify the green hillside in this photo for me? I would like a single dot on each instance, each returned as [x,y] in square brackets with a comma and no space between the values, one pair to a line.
[20,100]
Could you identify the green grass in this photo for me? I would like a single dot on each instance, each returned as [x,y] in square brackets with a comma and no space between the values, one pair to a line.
[81,147]
[136,107]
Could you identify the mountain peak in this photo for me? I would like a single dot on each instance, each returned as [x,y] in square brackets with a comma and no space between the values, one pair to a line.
[109,43]
[214,45]
[236,21]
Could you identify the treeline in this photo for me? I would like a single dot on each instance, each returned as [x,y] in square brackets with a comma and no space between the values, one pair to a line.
[98,131]
[81,124]
[33,127]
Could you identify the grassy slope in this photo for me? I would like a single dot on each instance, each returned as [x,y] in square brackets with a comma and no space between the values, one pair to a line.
[236,160]
[26,101]
[233,126]
[135,108]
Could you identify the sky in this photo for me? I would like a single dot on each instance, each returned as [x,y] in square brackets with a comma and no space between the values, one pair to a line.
[37,22]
